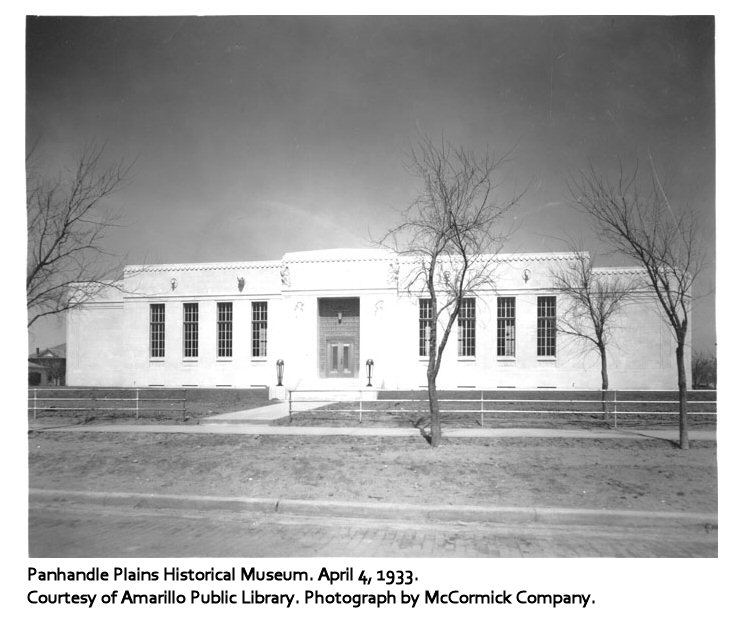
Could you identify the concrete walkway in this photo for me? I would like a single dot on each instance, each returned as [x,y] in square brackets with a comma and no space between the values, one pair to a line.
[262,414]
[289,430]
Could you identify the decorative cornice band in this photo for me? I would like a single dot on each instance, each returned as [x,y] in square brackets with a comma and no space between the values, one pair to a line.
[404,259]
[344,259]
[172,268]
[619,270]
[508,257]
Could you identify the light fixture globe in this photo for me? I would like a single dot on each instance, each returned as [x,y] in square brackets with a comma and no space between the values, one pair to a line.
[369,369]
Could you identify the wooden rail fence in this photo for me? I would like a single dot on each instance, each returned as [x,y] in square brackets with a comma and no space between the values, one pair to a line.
[482,403]
[141,402]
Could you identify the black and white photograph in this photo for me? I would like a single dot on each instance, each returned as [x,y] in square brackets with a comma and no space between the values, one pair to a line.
[387,268]
[371,286]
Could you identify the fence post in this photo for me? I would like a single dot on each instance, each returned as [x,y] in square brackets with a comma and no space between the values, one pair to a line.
[136,403]
[482,408]
[615,409]
[184,405]
[361,407]
[290,405]
[34,404]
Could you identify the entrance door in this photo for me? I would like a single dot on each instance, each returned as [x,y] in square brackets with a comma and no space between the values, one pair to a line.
[338,337]
[340,358]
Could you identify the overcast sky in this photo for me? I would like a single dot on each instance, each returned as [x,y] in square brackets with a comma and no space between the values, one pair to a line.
[255,136]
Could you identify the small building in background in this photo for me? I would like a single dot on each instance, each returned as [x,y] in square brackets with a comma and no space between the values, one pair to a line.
[38,374]
[48,367]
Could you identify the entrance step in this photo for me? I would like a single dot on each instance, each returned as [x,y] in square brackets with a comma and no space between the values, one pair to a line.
[331,383]
[330,396]
[278,392]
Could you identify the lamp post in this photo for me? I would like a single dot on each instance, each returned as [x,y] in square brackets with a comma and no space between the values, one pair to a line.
[369,369]
[280,371]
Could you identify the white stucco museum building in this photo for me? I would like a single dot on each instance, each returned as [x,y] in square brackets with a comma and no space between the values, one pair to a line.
[325,313]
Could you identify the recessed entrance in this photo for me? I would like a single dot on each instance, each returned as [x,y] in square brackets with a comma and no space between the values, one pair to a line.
[338,337]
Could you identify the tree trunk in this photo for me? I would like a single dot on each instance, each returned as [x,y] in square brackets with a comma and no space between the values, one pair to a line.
[433,371]
[683,416]
[604,384]
[433,401]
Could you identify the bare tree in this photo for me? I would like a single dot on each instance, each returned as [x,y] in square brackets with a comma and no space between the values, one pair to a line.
[637,218]
[67,221]
[449,235]
[594,302]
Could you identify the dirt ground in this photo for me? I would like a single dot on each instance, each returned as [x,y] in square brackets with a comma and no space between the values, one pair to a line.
[580,473]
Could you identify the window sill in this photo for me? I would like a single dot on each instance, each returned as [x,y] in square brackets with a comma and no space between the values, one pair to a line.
[547,359]
[259,359]
[466,358]
[157,360]
[224,359]
[190,359]
[506,358]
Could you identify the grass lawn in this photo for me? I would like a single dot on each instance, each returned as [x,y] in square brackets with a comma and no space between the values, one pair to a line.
[551,409]
[157,405]
[579,473]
